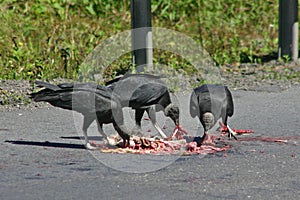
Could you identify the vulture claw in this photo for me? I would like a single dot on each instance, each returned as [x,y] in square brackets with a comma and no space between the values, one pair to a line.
[231,133]
[178,132]
[88,146]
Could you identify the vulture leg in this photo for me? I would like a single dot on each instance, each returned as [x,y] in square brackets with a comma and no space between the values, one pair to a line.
[122,131]
[100,129]
[151,113]
[107,140]
[118,123]
[86,123]
[207,138]
[138,117]
[138,121]
[178,132]
[231,133]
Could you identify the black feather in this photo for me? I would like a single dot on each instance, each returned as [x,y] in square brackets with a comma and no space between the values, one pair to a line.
[143,92]
[212,98]
[91,100]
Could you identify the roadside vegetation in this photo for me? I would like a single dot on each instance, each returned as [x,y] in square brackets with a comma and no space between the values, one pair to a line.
[47,39]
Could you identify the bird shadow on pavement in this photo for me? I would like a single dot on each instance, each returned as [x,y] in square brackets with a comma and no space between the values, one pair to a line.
[46,144]
[96,138]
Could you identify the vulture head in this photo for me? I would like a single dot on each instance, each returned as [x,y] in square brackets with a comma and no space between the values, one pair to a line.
[172,111]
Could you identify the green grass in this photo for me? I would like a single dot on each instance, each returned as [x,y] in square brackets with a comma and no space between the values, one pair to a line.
[50,38]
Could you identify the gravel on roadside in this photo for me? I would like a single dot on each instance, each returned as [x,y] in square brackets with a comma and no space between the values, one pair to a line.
[273,76]
[14,94]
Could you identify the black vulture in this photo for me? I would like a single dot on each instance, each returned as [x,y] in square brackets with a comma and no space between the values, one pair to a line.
[145,92]
[210,102]
[91,100]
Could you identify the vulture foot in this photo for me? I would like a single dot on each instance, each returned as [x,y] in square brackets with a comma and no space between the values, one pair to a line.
[208,139]
[225,128]
[178,132]
[89,146]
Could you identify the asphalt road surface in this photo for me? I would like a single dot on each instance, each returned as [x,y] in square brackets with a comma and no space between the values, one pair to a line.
[42,157]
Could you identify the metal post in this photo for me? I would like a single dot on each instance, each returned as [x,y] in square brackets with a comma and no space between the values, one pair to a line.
[288,29]
[141,33]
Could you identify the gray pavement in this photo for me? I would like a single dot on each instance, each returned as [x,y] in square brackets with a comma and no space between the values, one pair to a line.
[42,157]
